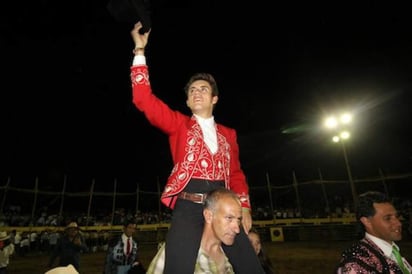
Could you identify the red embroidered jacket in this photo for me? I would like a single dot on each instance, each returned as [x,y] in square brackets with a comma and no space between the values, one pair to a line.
[184,132]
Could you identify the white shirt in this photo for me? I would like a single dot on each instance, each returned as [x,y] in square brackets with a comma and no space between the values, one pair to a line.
[124,240]
[387,249]
[139,60]
[5,255]
[209,132]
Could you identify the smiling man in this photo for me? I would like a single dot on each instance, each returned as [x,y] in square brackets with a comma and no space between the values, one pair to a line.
[377,252]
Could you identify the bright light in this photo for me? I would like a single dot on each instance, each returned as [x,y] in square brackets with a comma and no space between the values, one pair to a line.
[339,126]
[345,134]
[331,122]
[342,136]
[346,118]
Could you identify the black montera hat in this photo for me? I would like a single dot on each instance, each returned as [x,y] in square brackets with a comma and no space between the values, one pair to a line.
[131,11]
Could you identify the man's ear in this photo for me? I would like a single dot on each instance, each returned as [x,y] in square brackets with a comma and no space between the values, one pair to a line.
[365,221]
[208,215]
[215,99]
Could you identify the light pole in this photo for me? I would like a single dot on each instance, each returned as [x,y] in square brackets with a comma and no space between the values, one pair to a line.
[340,126]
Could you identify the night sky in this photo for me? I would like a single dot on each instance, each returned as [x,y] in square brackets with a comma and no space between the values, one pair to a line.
[66,98]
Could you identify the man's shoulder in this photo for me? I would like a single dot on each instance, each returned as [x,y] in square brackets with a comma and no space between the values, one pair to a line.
[114,240]
[362,248]
[363,256]
[225,129]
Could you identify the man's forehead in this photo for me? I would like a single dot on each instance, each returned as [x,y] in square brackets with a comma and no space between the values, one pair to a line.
[230,204]
[384,208]
[200,83]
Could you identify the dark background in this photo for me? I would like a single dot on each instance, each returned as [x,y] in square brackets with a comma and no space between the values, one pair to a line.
[66,99]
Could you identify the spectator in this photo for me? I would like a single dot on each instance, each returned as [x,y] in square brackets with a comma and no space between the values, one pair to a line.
[53,239]
[254,238]
[44,241]
[93,241]
[34,240]
[6,250]
[121,255]
[24,244]
[69,247]
[16,241]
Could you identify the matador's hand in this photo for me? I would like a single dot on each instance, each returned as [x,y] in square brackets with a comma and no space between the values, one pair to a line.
[246,219]
[140,40]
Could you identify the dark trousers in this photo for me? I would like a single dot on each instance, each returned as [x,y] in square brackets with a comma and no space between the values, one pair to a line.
[242,256]
[185,233]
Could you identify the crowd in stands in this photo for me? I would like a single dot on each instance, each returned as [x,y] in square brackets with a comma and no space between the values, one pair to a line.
[44,242]
[15,218]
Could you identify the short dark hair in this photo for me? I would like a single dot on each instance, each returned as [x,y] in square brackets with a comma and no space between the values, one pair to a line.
[129,221]
[365,206]
[205,77]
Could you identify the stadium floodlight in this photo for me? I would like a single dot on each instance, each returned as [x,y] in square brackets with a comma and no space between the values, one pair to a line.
[339,126]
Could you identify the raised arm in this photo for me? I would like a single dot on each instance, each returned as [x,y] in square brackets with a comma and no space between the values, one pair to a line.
[140,40]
